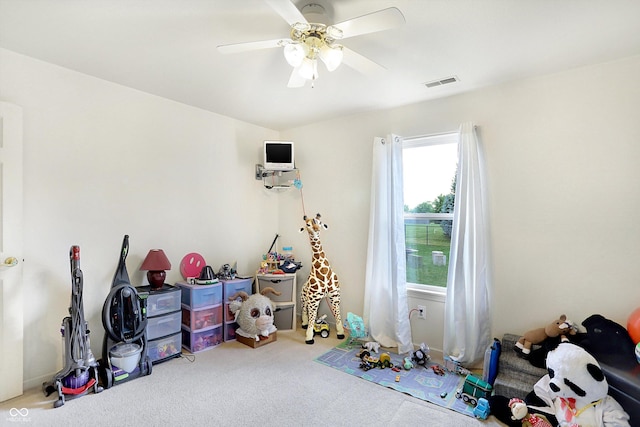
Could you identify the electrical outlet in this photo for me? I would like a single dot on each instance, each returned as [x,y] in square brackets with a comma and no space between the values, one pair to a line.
[422,312]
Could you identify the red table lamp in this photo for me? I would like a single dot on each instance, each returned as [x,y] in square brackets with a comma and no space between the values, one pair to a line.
[156,263]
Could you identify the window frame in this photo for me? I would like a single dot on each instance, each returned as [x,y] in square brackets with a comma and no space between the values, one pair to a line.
[430,292]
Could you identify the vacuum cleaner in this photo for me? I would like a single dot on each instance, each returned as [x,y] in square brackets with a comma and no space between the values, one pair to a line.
[124,317]
[80,372]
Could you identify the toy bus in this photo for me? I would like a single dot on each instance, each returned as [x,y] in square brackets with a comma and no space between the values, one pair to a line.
[473,389]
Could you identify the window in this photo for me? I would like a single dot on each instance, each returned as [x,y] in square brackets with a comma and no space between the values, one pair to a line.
[429,178]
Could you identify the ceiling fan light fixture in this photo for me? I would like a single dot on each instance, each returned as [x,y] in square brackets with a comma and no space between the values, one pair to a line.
[309,69]
[301,27]
[331,56]
[295,53]
[311,37]
[334,32]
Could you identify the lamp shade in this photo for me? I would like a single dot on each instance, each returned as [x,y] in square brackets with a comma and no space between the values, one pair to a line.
[156,263]
[309,69]
[331,56]
[294,53]
[156,260]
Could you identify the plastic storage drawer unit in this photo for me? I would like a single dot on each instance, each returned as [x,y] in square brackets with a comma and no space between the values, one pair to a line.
[230,331]
[164,348]
[230,324]
[160,301]
[231,287]
[282,284]
[283,317]
[198,296]
[202,318]
[201,340]
[229,316]
[160,326]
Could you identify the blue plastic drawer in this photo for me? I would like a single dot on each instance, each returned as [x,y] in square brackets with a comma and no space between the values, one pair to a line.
[237,285]
[198,296]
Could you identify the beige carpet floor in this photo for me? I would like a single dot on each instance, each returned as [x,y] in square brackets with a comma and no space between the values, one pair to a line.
[278,384]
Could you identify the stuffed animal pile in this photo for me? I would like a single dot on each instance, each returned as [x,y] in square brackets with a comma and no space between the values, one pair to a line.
[557,328]
[574,393]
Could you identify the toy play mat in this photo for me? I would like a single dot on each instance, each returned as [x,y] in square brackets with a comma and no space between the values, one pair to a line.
[420,382]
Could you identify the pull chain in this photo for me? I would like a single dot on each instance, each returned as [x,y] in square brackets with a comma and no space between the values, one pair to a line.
[304,212]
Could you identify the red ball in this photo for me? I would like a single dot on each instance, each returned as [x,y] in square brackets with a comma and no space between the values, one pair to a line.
[633,325]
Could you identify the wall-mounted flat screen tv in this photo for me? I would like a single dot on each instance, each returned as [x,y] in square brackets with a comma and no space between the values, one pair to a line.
[279,155]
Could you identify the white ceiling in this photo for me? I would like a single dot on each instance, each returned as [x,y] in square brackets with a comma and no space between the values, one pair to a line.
[168,48]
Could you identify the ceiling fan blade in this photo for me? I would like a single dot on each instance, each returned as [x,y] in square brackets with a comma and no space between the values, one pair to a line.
[296,80]
[360,63]
[375,21]
[249,46]
[287,10]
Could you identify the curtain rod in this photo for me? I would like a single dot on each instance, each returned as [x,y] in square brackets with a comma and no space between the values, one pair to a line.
[431,135]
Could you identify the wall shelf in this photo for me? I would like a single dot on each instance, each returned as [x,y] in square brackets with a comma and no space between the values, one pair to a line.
[276,179]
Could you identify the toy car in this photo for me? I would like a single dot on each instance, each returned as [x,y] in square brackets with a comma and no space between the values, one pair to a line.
[365,365]
[369,361]
[321,326]
[437,369]
[454,366]
[482,409]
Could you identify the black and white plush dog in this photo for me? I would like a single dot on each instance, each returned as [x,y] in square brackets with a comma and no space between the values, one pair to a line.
[573,393]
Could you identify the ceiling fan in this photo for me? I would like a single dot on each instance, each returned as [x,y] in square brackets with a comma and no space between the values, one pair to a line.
[310,41]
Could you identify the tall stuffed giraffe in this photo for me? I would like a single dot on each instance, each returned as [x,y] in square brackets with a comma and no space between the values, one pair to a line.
[322,282]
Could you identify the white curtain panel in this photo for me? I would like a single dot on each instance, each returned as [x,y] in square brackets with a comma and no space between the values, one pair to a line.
[467,326]
[385,296]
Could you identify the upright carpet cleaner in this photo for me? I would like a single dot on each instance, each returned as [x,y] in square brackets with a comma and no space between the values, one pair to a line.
[124,317]
[80,372]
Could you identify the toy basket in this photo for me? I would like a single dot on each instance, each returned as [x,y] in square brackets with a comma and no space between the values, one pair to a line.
[355,325]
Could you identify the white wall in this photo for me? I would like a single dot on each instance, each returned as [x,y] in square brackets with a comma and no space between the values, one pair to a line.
[101,161]
[562,155]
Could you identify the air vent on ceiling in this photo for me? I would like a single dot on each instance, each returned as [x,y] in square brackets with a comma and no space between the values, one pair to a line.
[441,82]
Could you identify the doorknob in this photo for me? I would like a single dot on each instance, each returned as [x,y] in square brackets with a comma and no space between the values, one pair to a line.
[9,262]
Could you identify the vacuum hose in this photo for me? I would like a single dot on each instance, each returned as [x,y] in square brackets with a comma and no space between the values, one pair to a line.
[122,316]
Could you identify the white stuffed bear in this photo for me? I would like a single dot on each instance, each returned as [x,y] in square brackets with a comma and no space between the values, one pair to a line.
[575,390]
